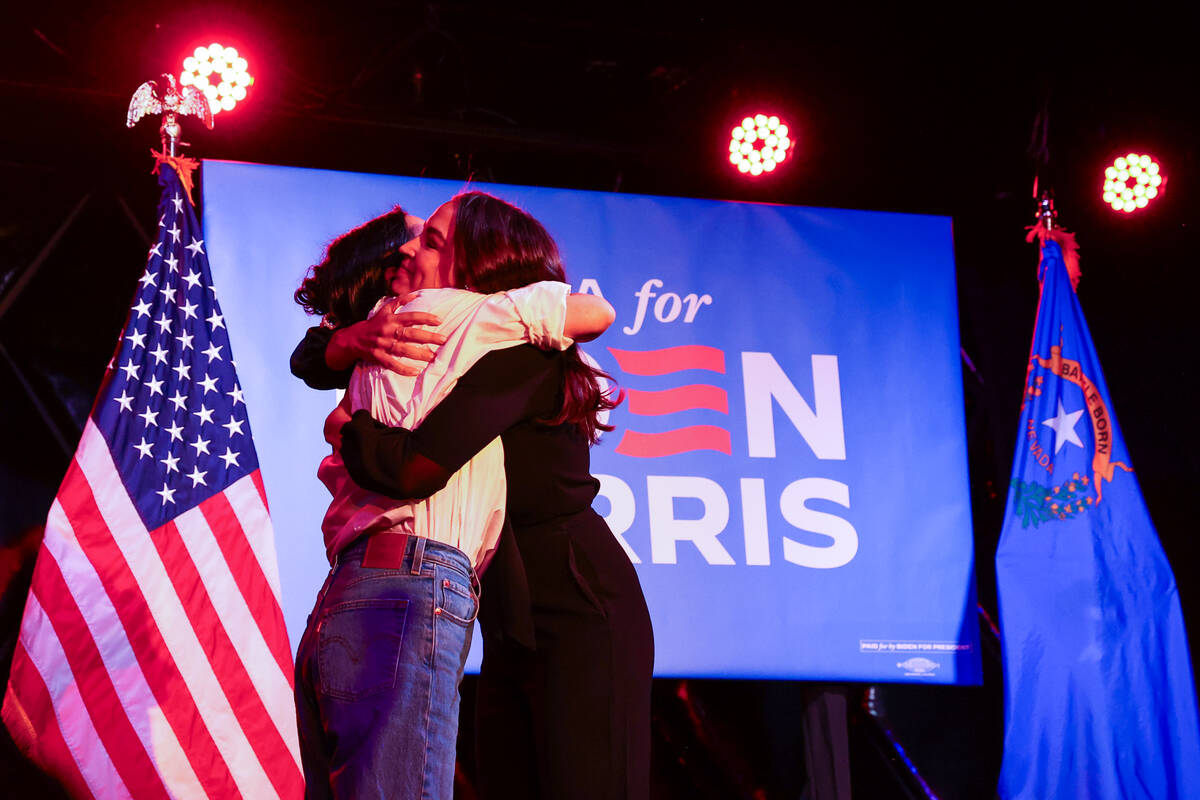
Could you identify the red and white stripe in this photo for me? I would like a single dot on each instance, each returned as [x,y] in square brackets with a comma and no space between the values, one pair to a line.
[155,663]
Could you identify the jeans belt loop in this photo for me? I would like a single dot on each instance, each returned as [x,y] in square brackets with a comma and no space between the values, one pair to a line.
[418,555]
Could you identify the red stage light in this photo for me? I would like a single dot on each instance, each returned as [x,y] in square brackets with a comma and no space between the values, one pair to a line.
[219,72]
[759,144]
[1131,182]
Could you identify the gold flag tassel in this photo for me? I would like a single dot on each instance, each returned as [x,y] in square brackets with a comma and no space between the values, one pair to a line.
[184,167]
[1065,239]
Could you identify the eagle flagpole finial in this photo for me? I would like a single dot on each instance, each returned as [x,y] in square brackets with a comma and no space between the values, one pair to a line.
[165,97]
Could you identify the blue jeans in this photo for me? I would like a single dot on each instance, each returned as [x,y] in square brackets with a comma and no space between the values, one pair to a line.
[378,670]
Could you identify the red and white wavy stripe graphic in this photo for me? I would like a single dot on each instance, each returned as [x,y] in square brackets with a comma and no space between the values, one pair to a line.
[670,359]
[692,397]
[682,398]
[671,443]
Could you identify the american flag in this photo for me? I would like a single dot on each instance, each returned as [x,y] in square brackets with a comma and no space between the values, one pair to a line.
[152,659]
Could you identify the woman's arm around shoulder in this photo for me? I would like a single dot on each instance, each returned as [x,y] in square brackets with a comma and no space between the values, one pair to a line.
[504,388]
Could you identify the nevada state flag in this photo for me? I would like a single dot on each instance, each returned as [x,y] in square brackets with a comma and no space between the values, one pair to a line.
[1099,697]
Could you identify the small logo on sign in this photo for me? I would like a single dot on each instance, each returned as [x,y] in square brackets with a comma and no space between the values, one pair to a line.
[918,666]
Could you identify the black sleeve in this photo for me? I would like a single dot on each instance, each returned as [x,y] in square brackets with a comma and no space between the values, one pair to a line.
[504,388]
[308,361]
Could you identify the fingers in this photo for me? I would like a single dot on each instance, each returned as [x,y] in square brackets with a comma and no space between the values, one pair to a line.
[399,366]
[398,350]
[399,335]
[416,318]
[419,335]
[403,358]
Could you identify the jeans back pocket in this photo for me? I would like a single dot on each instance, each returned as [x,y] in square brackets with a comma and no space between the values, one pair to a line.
[358,647]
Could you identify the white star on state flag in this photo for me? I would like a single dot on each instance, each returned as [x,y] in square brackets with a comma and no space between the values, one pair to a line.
[205,414]
[189,309]
[155,386]
[131,369]
[151,417]
[213,351]
[229,457]
[138,338]
[148,279]
[170,461]
[176,432]
[236,394]
[143,448]
[171,261]
[163,323]
[125,400]
[216,320]
[209,384]
[184,371]
[197,246]
[160,355]
[201,445]
[1063,426]
[178,201]
[185,339]
[142,308]
[193,280]
[174,231]
[169,293]
[234,426]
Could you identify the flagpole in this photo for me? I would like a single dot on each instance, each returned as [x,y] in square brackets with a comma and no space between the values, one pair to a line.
[1046,213]
[1099,694]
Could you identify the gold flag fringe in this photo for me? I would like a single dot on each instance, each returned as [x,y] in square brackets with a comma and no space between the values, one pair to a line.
[184,167]
[1066,241]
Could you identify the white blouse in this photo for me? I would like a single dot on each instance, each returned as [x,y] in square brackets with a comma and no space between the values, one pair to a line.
[468,513]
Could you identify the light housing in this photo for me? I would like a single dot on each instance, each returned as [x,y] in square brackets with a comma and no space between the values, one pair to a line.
[220,73]
[758,144]
[1132,182]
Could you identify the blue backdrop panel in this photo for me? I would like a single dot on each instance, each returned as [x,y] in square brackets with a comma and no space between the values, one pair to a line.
[789,472]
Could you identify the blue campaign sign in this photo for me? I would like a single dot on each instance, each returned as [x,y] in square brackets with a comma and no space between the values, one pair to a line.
[789,470]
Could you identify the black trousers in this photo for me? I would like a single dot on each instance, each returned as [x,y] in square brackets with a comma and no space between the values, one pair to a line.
[569,718]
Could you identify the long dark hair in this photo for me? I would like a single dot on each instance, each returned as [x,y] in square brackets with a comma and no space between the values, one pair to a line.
[497,246]
[346,285]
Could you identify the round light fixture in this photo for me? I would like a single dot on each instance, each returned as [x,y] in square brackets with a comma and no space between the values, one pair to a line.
[220,73]
[1132,182]
[759,144]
